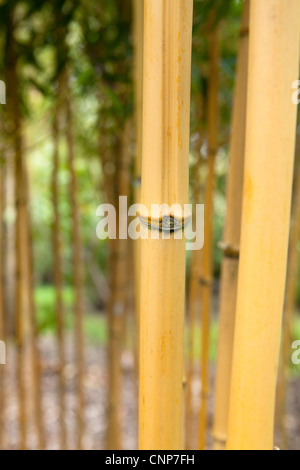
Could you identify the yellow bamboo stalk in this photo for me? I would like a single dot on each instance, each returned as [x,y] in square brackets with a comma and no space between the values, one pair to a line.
[207,262]
[194,309]
[231,243]
[33,331]
[167,64]
[270,138]
[290,300]
[21,284]
[78,273]
[58,279]
[138,10]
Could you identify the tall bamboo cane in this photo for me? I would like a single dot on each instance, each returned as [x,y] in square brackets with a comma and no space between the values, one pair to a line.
[21,286]
[194,308]
[58,277]
[270,138]
[118,300]
[35,353]
[207,266]
[138,19]
[2,327]
[78,273]
[231,242]
[167,56]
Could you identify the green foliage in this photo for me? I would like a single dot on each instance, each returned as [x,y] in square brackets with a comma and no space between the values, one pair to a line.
[95,326]
[45,299]
[93,40]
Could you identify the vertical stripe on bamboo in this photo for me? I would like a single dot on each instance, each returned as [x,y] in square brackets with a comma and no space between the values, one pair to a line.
[165,168]
[270,141]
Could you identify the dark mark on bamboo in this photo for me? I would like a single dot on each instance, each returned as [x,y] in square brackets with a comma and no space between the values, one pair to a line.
[166,224]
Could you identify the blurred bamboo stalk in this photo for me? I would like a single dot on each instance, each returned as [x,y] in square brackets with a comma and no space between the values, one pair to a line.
[165,175]
[207,260]
[290,303]
[231,243]
[2,320]
[194,305]
[77,254]
[138,22]
[58,273]
[21,281]
[118,300]
[270,139]
[34,337]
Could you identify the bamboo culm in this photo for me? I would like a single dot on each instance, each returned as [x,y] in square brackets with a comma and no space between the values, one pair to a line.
[270,145]
[231,240]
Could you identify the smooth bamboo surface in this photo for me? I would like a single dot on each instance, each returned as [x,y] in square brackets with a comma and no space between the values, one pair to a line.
[270,142]
[231,240]
[138,80]
[165,168]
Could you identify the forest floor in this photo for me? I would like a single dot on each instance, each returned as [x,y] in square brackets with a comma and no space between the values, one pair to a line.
[95,383]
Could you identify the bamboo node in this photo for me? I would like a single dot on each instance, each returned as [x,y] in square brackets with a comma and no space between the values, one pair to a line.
[205,281]
[244,32]
[166,224]
[229,251]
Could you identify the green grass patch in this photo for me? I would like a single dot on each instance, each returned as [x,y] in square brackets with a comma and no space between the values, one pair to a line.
[94,325]
[45,299]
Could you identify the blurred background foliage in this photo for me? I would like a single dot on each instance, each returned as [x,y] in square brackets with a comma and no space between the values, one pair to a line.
[93,40]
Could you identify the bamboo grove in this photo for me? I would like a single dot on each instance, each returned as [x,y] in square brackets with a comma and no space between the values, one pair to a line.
[118,342]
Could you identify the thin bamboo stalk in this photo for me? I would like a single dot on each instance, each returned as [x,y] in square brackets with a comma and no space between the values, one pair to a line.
[194,309]
[138,19]
[2,321]
[231,243]
[110,187]
[167,65]
[58,279]
[207,266]
[290,301]
[78,272]
[35,354]
[270,139]
[118,303]
[21,307]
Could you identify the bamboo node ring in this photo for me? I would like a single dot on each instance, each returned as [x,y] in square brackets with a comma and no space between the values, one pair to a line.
[229,251]
[206,282]
[166,224]
[244,32]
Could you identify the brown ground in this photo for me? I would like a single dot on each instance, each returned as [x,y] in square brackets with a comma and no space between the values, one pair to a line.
[96,389]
